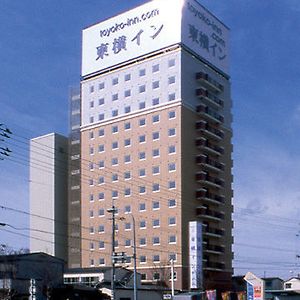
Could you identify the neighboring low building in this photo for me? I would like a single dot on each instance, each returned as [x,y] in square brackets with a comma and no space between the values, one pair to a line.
[100,278]
[48,194]
[292,284]
[25,275]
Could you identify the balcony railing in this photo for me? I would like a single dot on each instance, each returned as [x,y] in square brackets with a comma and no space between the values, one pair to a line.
[213,231]
[208,179]
[210,163]
[203,194]
[213,266]
[214,248]
[214,132]
[204,143]
[210,113]
[203,77]
[210,214]
[211,99]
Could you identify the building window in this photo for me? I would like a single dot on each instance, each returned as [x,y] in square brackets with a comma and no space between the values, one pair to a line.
[116,243]
[101,212]
[127,159]
[91,214]
[101,148]
[91,166]
[155,68]
[156,275]
[114,177]
[172,221]
[128,207]
[155,223]
[142,189]
[155,152]
[156,240]
[155,118]
[101,245]
[91,150]
[127,226]
[91,119]
[142,241]
[172,149]
[114,113]
[101,228]
[91,89]
[101,132]
[171,202]
[114,129]
[91,134]
[142,224]
[115,97]
[101,261]
[172,256]
[171,80]
[171,97]
[127,125]
[143,260]
[142,155]
[115,145]
[101,164]
[92,230]
[91,182]
[101,117]
[92,264]
[127,77]
[142,206]
[114,194]
[101,86]
[142,138]
[155,84]
[127,243]
[155,187]
[92,246]
[101,180]
[127,193]
[172,185]
[155,135]
[155,170]
[171,63]
[91,197]
[172,114]
[155,101]
[91,104]
[171,167]
[127,109]
[142,172]
[142,122]
[156,259]
[172,239]
[142,72]
[127,175]
[142,88]
[114,161]
[172,132]
[101,196]
[127,93]
[155,205]
[101,101]
[115,81]
[142,105]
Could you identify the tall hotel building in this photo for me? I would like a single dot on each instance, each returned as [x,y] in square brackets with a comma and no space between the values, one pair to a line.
[156,143]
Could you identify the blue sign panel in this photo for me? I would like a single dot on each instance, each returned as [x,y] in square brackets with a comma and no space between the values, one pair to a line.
[250,291]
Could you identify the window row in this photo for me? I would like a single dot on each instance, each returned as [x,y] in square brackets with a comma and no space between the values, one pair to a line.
[127,226]
[127,125]
[127,109]
[127,77]
[128,92]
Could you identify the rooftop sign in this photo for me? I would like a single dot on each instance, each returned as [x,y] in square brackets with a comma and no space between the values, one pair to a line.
[153,26]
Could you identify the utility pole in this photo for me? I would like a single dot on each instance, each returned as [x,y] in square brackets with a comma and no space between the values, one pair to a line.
[113,211]
[134,261]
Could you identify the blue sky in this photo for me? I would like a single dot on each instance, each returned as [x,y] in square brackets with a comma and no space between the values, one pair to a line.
[40,61]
